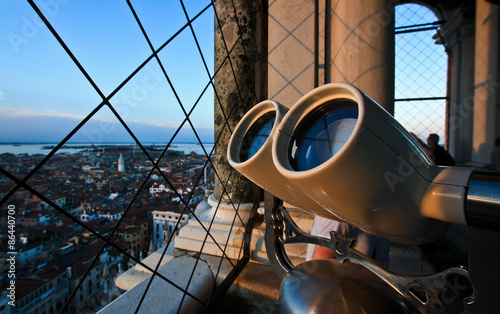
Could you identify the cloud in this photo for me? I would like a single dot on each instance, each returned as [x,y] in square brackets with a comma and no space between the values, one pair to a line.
[28,125]
[2,96]
[31,113]
[162,124]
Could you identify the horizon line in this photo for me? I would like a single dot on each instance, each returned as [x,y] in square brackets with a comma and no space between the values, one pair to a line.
[103,143]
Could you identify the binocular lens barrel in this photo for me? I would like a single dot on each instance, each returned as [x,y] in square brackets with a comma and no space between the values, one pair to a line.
[322,134]
[257,135]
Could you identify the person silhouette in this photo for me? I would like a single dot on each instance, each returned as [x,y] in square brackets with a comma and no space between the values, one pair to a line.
[441,155]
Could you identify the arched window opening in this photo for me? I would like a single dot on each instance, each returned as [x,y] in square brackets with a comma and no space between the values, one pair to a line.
[421,72]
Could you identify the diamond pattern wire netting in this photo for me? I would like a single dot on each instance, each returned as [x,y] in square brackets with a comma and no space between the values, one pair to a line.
[421,72]
[113,117]
[291,29]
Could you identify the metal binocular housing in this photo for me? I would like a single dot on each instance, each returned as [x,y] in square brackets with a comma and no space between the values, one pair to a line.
[338,154]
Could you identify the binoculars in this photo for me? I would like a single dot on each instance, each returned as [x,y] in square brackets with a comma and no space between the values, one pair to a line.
[338,154]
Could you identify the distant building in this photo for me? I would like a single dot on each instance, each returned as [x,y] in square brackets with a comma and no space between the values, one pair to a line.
[59,200]
[44,291]
[86,217]
[62,233]
[121,164]
[164,222]
[33,219]
[112,214]
[75,212]
[30,251]
[135,233]
[158,189]
[86,168]
[91,286]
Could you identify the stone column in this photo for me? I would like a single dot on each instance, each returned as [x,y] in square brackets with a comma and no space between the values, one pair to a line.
[235,89]
[363,47]
[486,83]
[458,35]
[240,83]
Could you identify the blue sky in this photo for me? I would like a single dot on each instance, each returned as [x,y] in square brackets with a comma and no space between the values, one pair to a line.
[43,95]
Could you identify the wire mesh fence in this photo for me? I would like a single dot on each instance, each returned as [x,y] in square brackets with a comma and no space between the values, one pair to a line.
[421,72]
[85,204]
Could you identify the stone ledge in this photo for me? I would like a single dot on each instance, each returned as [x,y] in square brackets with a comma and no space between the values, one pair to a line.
[138,273]
[163,297]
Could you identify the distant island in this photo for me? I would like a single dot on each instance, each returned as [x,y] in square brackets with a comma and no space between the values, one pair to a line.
[93,147]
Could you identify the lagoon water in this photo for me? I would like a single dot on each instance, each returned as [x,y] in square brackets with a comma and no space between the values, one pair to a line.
[40,148]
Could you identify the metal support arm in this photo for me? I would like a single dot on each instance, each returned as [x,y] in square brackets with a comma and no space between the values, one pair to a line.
[430,294]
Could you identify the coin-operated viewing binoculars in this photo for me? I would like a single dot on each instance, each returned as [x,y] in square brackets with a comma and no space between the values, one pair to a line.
[338,154]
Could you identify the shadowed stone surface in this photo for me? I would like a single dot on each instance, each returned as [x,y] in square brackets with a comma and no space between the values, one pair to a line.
[235,30]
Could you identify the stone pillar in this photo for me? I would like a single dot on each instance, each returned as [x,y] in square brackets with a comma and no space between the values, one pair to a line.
[363,47]
[235,89]
[486,83]
[458,35]
[240,83]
